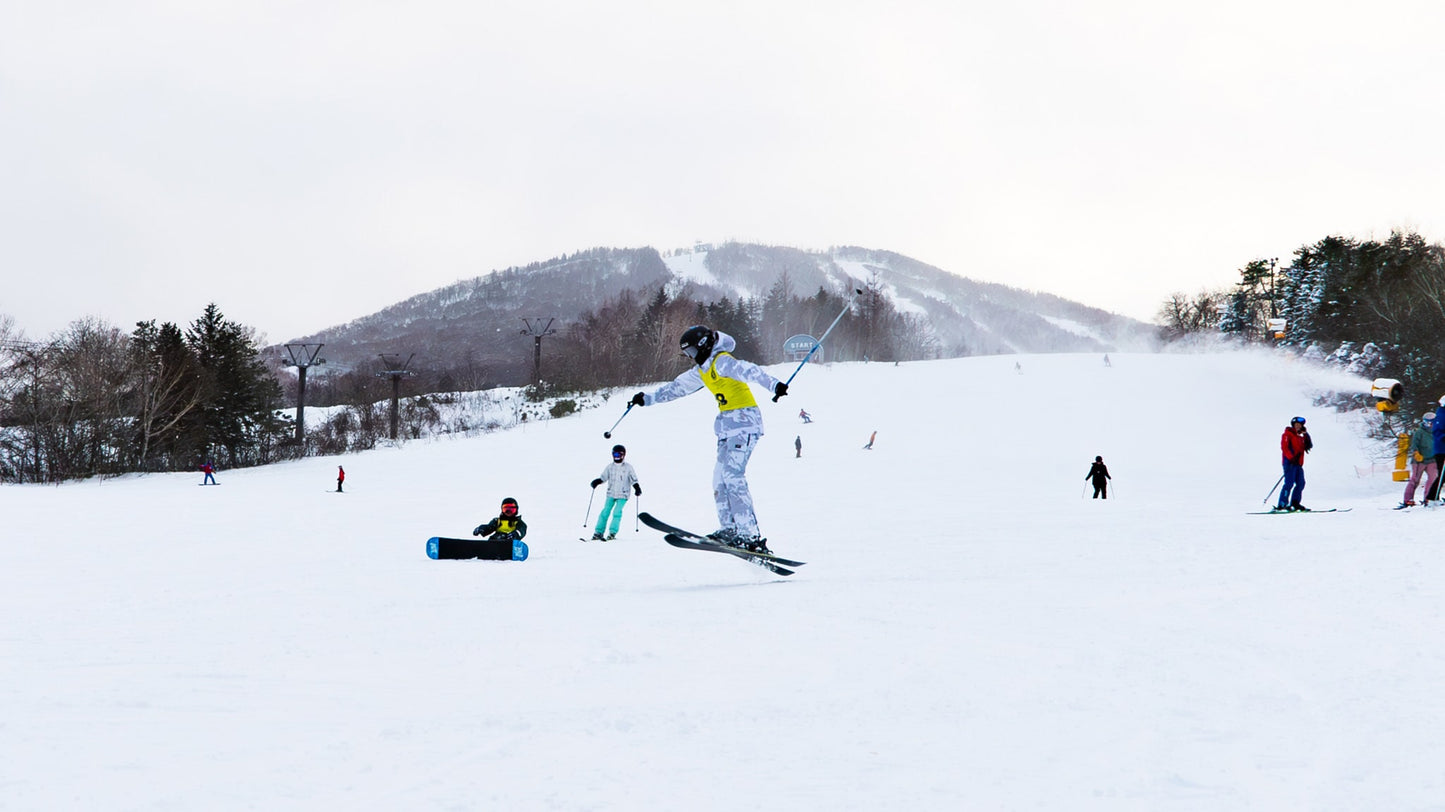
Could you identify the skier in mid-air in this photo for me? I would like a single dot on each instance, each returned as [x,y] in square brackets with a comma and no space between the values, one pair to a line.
[738,426]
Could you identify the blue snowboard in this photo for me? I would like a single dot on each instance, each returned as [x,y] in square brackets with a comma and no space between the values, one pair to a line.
[491,549]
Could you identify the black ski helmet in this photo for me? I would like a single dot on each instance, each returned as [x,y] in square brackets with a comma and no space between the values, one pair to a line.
[619,449]
[697,343]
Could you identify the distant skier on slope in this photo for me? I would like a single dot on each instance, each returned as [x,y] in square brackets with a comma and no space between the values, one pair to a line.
[1293,445]
[738,426]
[1099,473]
[1421,454]
[1437,433]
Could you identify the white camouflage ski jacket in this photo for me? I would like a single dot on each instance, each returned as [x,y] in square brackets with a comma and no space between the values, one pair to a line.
[733,422]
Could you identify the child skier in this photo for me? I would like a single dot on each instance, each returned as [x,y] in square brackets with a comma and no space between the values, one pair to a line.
[738,426]
[340,477]
[1099,472]
[507,526]
[619,476]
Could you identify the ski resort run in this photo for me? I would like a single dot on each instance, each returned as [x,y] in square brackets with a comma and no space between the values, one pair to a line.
[971,630]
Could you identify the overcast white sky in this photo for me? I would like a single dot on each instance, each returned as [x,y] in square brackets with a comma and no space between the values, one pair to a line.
[305,163]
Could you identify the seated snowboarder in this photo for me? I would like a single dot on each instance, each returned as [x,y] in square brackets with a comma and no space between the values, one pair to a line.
[508,526]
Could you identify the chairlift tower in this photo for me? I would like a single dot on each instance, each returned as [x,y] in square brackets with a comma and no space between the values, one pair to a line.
[538,330]
[303,356]
[395,371]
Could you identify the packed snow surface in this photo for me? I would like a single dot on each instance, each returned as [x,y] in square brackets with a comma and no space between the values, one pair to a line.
[971,631]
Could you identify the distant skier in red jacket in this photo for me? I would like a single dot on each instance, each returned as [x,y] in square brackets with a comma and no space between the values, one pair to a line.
[340,477]
[1292,445]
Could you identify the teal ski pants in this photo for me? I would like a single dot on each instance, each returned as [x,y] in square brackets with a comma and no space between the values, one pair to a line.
[614,508]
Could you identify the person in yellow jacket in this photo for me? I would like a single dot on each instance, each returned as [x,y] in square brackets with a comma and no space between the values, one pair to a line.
[738,426]
[508,526]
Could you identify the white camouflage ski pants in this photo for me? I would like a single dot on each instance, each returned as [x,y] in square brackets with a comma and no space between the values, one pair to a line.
[730,485]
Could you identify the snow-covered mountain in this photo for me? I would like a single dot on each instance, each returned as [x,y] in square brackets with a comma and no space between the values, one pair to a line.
[478,320]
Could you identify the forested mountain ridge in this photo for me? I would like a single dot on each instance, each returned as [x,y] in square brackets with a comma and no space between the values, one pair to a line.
[472,331]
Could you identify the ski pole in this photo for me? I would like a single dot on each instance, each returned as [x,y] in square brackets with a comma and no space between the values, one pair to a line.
[636,511]
[608,434]
[1271,490]
[856,293]
[589,507]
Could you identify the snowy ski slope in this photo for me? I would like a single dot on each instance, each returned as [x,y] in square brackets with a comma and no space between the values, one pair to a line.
[970,632]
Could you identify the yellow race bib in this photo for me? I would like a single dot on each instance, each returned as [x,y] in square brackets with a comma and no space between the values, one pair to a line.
[730,393]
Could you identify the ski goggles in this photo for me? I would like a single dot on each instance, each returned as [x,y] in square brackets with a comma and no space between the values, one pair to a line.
[690,352]
[509,509]
[617,455]
[1299,420]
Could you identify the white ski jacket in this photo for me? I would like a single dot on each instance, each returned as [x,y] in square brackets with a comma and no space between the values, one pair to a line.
[731,422]
[620,478]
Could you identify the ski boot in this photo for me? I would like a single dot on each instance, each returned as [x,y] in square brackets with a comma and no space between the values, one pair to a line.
[1299,508]
[610,537]
[757,544]
[597,537]
[729,537]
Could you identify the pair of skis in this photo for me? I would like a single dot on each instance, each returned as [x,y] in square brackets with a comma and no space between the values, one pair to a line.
[688,540]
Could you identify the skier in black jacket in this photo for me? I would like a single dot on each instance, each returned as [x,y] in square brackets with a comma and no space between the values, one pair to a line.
[1099,472]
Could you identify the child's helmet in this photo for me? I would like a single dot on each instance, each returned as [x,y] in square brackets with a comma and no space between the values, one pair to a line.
[697,343]
[509,506]
[619,450]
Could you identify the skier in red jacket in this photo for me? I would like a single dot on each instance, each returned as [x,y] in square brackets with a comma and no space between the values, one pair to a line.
[1292,445]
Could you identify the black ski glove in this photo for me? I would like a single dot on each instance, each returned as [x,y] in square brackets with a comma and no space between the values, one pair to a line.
[639,399]
[596,482]
[637,488]
[779,390]
[481,528]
